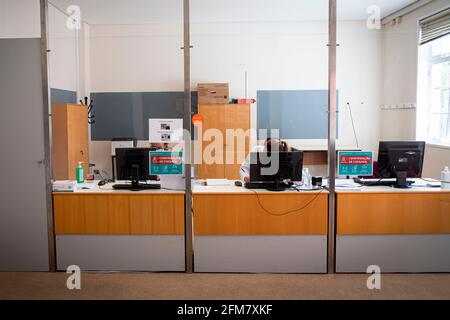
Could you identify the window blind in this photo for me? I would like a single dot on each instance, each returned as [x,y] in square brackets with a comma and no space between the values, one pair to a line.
[435,26]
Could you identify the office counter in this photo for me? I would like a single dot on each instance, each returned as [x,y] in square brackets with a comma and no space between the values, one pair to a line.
[105,229]
[398,230]
[240,230]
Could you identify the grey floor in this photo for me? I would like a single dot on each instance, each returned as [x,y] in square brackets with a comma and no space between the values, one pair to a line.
[222,286]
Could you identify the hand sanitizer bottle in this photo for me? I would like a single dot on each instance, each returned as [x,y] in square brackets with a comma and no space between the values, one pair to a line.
[445,179]
[80,172]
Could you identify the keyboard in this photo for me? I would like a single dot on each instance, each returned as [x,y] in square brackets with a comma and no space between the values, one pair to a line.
[383,183]
[139,187]
[263,185]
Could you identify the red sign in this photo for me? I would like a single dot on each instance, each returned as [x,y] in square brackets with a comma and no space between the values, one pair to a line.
[356,160]
[197,120]
[166,160]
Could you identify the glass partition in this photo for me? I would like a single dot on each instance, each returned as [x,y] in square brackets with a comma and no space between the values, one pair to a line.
[124,60]
[260,70]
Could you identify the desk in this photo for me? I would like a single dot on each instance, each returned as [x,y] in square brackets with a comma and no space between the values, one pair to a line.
[234,233]
[106,229]
[398,230]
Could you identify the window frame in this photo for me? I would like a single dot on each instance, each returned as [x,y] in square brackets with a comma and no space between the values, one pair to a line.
[425,111]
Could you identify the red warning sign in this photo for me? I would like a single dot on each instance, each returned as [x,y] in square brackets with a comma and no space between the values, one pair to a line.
[197,120]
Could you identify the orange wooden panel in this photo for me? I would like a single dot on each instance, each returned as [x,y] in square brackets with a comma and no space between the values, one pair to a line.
[162,214]
[393,213]
[230,149]
[241,214]
[213,119]
[118,214]
[78,138]
[59,142]
[68,214]
[237,145]
[315,157]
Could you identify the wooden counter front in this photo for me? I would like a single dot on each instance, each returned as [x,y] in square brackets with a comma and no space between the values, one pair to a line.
[242,214]
[393,213]
[121,213]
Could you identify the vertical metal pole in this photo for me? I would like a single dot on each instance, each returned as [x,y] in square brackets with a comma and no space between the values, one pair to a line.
[47,136]
[187,127]
[332,134]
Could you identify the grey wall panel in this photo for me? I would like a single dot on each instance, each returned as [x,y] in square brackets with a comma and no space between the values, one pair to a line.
[126,114]
[393,253]
[23,211]
[298,114]
[62,96]
[120,252]
[273,254]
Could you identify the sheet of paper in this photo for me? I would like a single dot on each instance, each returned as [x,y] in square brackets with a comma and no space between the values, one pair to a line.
[217,182]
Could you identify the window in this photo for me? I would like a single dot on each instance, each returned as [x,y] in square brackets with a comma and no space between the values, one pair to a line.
[433,109]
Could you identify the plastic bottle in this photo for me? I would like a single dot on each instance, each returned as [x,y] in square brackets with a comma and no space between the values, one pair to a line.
[307,183]
[80,172]
[445,179]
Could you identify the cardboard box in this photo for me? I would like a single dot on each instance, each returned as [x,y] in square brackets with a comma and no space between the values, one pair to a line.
[213,93]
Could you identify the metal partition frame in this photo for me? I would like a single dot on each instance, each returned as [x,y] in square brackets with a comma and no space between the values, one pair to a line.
[331,134]
[47,137]
[189,234]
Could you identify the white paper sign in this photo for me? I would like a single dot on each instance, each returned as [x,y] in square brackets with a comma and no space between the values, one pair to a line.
[165,130]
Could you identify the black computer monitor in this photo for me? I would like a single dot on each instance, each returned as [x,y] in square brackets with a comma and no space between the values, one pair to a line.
[290,166]
[133,164]
[401,160]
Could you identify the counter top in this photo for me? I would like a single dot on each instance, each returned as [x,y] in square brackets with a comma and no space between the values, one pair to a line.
[92,187]
[198,189]
[419,186]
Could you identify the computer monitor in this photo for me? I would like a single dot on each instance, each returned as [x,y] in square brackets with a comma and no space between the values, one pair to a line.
[290,166]
[401,160]
[133,164]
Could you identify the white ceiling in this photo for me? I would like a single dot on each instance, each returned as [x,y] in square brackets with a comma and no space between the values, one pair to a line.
[170,11]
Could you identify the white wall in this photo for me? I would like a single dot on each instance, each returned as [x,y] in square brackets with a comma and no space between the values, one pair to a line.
[275,55]
[20,19]
[84,61]
[400,84]
[62,42]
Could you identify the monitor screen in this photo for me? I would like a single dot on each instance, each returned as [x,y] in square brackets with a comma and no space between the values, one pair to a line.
[401,156]
[290,166]
[131,162]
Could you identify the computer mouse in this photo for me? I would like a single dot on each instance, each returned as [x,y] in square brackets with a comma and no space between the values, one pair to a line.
[238,183]
[101,183]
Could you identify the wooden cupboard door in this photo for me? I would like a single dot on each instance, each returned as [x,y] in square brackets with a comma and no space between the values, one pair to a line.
[237,142]
[212,146]
[78,139]
[59,142]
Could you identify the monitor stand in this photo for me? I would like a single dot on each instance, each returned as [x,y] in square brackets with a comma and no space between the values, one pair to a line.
[402,182]
[278,186]
[135,184]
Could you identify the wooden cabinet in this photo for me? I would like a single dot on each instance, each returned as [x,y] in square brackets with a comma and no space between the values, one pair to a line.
[70,140]
[232,123]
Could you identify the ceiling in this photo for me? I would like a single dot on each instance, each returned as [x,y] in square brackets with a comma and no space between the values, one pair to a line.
[170,11]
